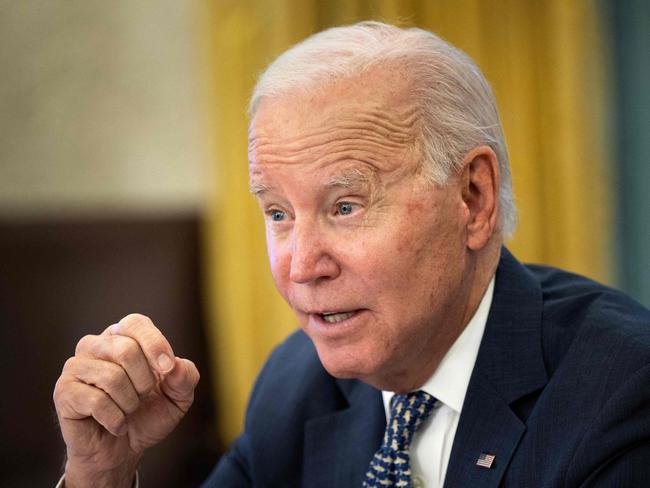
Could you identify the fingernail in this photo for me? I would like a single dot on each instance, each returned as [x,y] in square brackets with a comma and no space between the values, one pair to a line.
[165,363]
[115,328]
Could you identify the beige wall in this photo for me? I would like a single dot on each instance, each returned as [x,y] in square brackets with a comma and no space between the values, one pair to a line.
[100,107]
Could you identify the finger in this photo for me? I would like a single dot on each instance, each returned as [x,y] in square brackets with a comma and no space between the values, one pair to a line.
[79,401]
[122,351]
[179,385]
[158,351]
[107,376]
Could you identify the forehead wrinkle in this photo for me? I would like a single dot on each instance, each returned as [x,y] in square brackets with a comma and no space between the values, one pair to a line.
[375,149]
[334,135]
[373,124]
[397,129]
[371,153]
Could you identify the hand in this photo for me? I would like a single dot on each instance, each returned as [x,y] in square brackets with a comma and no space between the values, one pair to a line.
[122,392]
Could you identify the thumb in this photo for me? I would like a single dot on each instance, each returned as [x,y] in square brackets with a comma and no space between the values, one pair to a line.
[179,384]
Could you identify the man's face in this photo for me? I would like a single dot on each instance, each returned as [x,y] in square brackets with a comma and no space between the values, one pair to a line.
[370,256]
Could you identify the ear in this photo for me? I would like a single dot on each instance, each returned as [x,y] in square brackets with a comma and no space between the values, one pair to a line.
[480,187]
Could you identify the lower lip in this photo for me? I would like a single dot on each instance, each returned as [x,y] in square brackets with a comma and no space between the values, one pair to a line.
[335,329]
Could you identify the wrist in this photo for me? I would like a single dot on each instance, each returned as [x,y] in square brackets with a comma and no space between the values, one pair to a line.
[80,475]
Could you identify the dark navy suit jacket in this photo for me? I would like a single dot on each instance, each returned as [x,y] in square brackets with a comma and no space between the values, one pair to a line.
[560,395]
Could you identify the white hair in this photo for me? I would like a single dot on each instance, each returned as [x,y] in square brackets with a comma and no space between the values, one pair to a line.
[457,107]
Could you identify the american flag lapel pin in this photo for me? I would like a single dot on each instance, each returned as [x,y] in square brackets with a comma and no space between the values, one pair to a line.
[485,460]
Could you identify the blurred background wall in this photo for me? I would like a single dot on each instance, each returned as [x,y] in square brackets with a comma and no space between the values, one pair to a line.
[105,165]
[123,180]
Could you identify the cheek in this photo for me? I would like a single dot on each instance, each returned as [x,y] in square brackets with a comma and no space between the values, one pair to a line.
[390,266]
[416,238]
[421,251]
[279,261]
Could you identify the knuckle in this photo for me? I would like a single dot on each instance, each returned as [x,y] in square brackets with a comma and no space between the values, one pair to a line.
[114,378]
[85,344]
[56,394]
[61,396]
[69,364]
[135,320]
[96,402]
[145,384]
[62,388]
[126,351]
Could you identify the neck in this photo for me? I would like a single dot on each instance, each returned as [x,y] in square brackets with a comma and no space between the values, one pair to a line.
[485,265]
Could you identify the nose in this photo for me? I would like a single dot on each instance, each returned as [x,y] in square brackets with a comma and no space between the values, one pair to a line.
[311,259]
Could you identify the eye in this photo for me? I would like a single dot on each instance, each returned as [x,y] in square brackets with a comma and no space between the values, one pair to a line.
[345,208]
[276,215]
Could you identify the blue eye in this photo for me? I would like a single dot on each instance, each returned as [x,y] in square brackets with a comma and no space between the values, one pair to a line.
[277,215]
[345,208]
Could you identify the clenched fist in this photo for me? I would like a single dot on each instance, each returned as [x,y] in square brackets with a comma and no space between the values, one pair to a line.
[122,392]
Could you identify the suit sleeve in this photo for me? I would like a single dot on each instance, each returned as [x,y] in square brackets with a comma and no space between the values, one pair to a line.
[616,450]
[235,468]
[232,470]
[270,450]
[631,468]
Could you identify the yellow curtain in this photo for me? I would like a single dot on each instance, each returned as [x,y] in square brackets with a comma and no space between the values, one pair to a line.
[546,65]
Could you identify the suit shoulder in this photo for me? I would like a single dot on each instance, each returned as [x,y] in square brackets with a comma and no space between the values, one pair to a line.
[292,378]
[296,354]
[577,308]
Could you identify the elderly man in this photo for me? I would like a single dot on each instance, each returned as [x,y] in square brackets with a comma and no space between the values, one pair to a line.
[428,355]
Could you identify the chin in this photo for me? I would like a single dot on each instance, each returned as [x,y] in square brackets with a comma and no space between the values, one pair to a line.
[346,363]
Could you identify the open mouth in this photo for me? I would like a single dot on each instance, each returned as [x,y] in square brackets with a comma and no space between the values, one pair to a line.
[335,317]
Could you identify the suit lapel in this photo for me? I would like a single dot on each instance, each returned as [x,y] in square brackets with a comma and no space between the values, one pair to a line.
[509,366]
[339,446]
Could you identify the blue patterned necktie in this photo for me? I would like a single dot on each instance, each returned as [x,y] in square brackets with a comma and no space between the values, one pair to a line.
[391,465]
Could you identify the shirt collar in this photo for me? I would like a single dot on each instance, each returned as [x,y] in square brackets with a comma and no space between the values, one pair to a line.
[449,382]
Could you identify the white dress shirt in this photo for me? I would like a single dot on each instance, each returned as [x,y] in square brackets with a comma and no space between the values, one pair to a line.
[432,442]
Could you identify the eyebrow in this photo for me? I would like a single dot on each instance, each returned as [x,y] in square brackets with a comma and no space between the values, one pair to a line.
[257,188]
[353,178]
[350,179]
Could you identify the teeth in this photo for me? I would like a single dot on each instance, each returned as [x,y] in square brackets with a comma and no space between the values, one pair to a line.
[333,318]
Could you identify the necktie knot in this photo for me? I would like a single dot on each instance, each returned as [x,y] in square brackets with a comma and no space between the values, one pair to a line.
[391,465]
